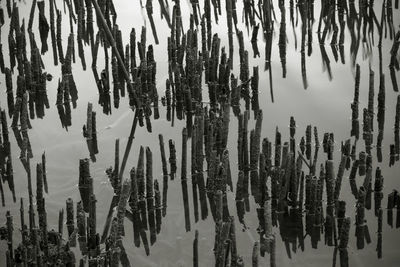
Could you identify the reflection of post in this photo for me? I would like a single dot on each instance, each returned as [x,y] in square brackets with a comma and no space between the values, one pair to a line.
[330,231]
[184,180]
[341,11]
[344,240]
[379,232]
[10,229]
[354,105]
[245,155]
[339,177]
[352,178]
[340,214]
[133,204]
[368,184]
[381,116]
[282,38]
[240,197]
[157,206]
[303,8]
[378,186]
[2,192]
[150,195]
[165,175]
[120,60]
[121,208]
[317,145]
[398,212]
[360,218]
[229,19]
[10,94]
[22,221]
[44,173]
[391,203]
[202,130]
[81,31]
[393,59]
[196,249]
[397,130]
[141,188]
[172,158]
[194,167]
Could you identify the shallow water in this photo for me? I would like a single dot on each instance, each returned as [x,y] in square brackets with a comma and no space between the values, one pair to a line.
[325,104]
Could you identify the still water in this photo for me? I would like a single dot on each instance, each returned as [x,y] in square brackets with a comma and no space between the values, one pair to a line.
[325,103]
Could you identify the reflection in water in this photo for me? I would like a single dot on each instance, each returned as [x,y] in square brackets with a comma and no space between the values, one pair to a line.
[280,185]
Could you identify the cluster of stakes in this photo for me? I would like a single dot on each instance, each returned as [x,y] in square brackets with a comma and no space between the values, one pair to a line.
[295,188]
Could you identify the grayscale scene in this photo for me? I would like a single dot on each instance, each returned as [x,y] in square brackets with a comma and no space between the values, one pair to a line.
[181,133]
